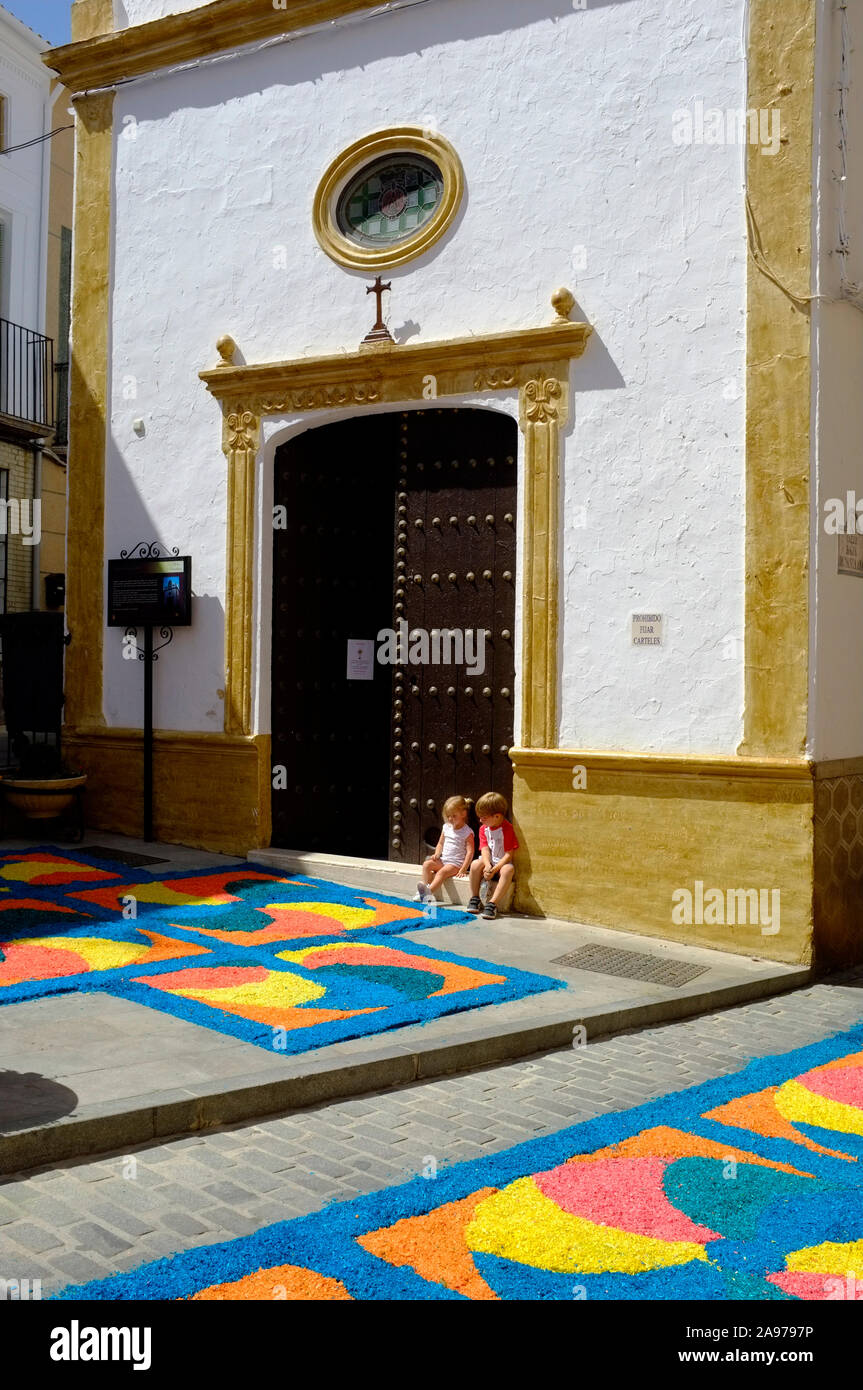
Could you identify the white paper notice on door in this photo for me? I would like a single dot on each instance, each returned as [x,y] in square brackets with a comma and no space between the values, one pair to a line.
[361,660]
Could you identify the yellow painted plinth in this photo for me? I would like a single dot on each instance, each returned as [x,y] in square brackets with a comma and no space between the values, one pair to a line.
[613,853]
[211,791]
[610,852]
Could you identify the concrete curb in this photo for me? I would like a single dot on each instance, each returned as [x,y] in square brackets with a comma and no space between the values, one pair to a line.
[118,1125]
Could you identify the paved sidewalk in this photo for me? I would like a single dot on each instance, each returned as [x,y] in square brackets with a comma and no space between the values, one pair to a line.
[88,1072]
[85,1221]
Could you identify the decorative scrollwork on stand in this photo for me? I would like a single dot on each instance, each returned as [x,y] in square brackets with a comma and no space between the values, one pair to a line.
[148,550]
[165,632]
[168,634]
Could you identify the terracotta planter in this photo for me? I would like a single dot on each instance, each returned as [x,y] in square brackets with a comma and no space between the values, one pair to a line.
[42,798]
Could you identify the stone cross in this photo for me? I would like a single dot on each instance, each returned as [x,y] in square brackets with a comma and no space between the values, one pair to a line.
[380,332]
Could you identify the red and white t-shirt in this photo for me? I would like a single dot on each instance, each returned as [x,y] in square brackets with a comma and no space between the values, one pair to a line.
[499,842]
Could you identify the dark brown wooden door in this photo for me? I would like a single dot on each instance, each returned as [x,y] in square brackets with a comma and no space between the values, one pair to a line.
[403,519]
[332,582]
[457,499]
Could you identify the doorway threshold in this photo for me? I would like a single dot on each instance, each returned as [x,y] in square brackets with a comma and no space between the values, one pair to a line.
[376,875]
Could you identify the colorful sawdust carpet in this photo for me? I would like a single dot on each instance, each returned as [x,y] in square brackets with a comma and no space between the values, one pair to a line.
[286,963]
[748,1187]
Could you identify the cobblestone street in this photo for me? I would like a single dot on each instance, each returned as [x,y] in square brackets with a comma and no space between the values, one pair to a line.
[86,1220]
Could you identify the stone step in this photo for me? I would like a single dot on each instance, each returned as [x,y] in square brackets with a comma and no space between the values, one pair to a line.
[372,875]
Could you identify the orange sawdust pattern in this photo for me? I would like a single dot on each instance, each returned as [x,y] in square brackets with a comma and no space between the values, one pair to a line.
[48,909]
[217,987]
[291,923]
[389,912]
[289,1282]
[49,870]
[663,1142]
[434,1246]
[290,1018]
[757,1112]
[854,1059]
[287,925]
[191,891]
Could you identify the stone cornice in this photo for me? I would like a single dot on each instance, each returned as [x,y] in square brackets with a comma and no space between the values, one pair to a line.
[180,38]
[489,362]
[666,764]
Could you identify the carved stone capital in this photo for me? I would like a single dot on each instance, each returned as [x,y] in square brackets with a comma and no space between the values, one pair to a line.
[543,401]
[241,432]
[240,440]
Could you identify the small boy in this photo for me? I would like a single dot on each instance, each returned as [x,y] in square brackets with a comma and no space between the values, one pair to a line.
[497,846]
[454,851]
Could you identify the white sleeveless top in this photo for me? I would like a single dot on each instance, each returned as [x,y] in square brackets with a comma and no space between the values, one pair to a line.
[455,843]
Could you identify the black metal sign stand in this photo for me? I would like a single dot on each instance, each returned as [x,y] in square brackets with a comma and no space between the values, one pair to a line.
[149,655]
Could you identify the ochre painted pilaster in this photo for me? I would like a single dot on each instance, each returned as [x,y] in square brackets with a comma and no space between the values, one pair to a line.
[543,411]
[781,78]
[88,413]
[90,18]
[241,438]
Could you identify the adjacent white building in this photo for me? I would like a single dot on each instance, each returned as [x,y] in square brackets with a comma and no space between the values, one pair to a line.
[35,260]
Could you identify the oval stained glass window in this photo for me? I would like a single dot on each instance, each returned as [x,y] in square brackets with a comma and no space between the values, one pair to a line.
[390,200]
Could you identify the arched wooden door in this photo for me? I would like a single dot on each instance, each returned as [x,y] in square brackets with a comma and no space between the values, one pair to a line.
[400,531]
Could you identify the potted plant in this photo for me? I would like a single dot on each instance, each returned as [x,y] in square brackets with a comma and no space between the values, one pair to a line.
[42,786]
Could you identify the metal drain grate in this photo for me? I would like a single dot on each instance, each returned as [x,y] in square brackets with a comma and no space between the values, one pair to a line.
[632,965]
[122,856]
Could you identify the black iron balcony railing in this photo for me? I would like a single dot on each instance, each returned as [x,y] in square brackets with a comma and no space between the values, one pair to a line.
[26,379]
[61,427]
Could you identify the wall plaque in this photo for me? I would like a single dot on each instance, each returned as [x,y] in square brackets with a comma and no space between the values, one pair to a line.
[647,629]
[851,554]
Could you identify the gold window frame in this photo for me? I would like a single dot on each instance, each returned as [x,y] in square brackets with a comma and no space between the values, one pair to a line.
[398,140]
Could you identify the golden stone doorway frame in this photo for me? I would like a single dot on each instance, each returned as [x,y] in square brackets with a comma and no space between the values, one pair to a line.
[533,361]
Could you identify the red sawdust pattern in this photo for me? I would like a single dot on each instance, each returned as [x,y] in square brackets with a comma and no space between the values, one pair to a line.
[663,1142]
[758,1112]
[283,1282]
[289,925]
[26,962]
[208,977]
[814,1287]
[48,909]
[212,889]
[292,924]
[841,1084]
[434,1246]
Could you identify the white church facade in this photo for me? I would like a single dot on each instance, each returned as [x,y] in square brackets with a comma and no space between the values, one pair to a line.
[590,419]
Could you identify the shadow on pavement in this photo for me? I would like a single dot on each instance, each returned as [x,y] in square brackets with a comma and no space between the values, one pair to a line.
[27,1099]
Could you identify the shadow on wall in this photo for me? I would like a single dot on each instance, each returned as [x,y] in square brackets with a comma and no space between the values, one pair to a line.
[194,661]
[416,31]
